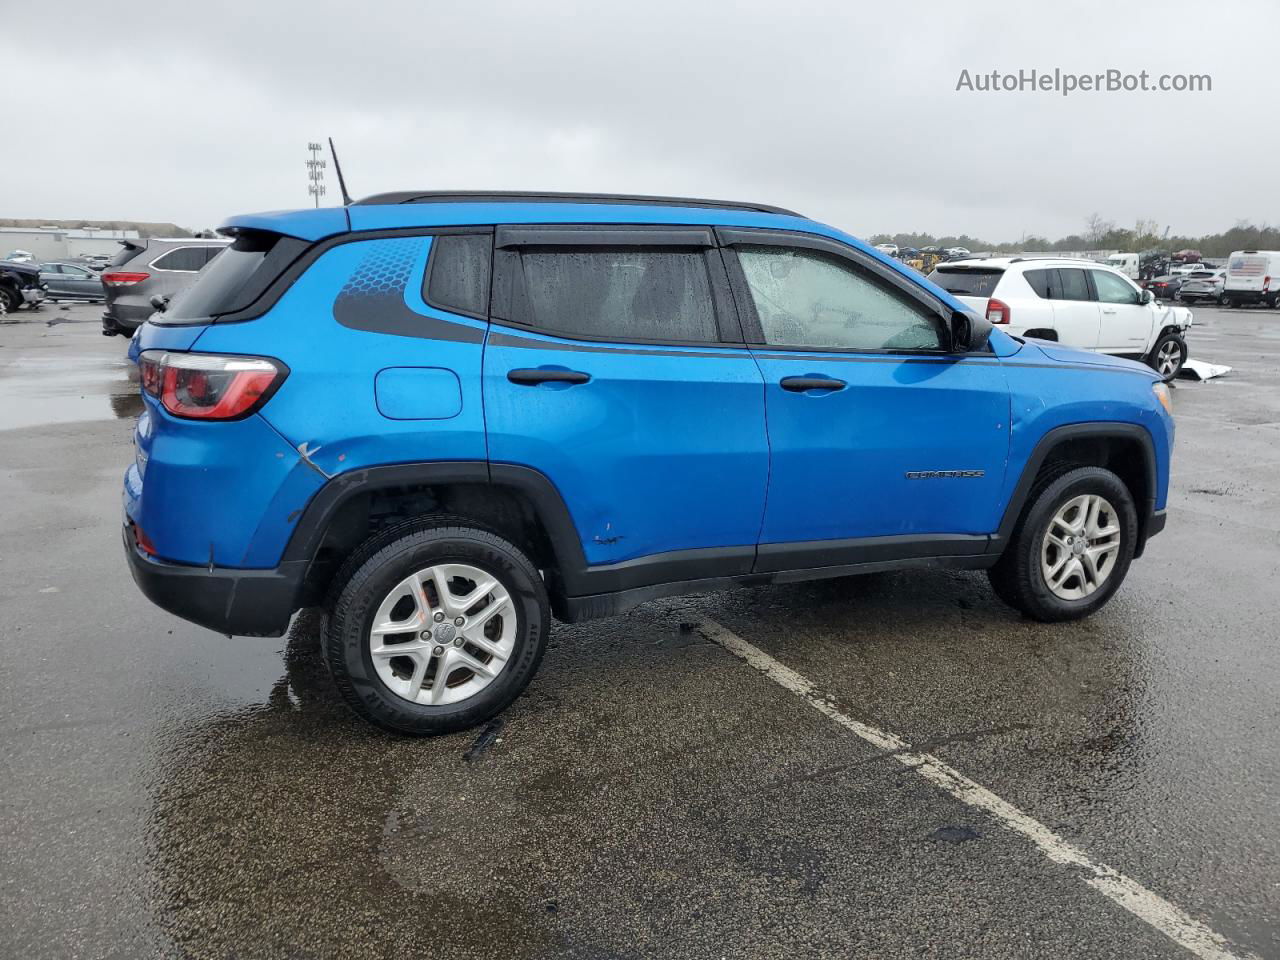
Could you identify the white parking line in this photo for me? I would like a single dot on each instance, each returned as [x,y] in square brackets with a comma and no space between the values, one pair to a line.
[1174,923]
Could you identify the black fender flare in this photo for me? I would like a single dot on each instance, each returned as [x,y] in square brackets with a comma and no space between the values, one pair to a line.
[546,500]
[1054,438]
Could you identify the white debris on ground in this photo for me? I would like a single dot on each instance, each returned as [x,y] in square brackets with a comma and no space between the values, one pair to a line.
[1202,370]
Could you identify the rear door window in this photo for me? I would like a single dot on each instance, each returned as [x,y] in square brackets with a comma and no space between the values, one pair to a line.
[625,293]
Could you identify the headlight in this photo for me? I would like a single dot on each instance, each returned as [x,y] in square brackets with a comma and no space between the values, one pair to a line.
[1162,394]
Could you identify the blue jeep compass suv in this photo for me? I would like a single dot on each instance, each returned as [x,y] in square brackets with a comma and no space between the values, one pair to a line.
[444,417]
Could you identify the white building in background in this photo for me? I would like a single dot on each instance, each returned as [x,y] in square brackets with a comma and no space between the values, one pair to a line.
[58,243]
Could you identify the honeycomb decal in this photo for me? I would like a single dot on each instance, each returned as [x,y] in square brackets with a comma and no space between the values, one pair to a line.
[385,268]
[373,298]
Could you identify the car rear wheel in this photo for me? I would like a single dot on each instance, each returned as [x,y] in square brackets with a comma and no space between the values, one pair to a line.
[1167,356]
[435,626]
[1071,548]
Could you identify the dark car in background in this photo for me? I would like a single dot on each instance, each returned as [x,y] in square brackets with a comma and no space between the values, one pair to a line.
[71,281]
[19,285]
[1164,287]
[147,268]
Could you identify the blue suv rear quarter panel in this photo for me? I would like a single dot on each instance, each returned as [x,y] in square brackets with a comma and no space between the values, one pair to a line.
[328,405]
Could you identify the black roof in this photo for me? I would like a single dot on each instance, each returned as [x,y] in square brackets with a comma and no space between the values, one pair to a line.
[519,196]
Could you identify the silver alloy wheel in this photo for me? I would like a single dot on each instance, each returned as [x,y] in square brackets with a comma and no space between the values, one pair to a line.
[1169,358]
[443,634]
[1080,547]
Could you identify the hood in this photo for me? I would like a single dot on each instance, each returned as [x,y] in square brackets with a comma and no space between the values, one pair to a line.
[17,266]
[1055,351]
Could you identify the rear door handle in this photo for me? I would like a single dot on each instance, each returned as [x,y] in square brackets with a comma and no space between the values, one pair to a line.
[801,384]
[532,376]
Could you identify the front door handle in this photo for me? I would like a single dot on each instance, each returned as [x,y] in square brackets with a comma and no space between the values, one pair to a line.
[801,384]
[532,376]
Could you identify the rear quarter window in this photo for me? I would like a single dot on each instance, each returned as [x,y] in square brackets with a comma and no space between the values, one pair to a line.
[969,281]
[459,273]
[185,259]
[1044,283]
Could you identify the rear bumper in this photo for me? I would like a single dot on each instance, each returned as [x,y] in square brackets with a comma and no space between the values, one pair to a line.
[248,603]
[113,325]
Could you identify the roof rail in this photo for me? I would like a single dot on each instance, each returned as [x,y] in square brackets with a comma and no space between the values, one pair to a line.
[520,196]
[1068,259]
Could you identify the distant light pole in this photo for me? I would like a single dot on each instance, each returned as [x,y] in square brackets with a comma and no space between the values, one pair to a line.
[315,173]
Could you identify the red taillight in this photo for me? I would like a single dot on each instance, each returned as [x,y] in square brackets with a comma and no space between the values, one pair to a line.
[998,311]
[206,386]
[1266,283]
[143,541]
[123,279]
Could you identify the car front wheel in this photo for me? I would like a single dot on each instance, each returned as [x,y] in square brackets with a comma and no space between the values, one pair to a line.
[435,626]
[1167,356]
[1071,548]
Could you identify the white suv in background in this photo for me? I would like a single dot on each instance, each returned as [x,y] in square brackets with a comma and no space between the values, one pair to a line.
[1079,303]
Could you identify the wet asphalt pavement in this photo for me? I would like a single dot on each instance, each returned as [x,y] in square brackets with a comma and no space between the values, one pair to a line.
[166,791]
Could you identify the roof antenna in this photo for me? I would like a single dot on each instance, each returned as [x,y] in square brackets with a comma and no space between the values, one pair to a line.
[342,184]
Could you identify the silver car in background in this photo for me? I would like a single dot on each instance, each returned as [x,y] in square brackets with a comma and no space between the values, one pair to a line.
[71,281]
[147,268]
[1206,285]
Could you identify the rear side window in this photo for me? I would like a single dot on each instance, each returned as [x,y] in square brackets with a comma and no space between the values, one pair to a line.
[971,282]
[189,259]
[619,294]
[459,277]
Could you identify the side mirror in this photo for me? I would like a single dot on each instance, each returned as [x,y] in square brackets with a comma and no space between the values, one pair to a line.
[160,303]
[1148,297]
[969,332]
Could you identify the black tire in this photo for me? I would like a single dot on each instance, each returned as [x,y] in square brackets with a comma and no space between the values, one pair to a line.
[1017,577]
[10,299]
[371,573]
[1153,358]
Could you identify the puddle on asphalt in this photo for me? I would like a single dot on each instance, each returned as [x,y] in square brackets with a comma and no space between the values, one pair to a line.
[38,392]
[268,824]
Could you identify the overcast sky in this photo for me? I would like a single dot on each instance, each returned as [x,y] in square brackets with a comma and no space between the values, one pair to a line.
[847,112]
